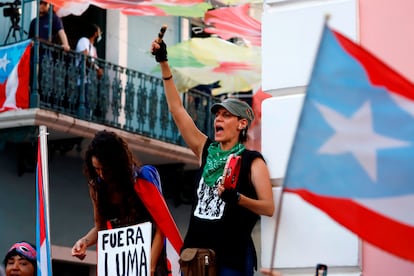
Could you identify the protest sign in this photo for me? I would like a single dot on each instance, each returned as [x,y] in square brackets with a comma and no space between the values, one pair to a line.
[125,251]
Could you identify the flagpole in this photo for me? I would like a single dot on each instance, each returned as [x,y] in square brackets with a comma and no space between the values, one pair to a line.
[44,259]
[45,169]
[277,223]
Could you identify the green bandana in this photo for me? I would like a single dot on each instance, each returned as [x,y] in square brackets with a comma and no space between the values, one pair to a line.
[216,160]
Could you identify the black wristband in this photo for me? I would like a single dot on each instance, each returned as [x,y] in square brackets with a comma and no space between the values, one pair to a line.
[230,196]
[167,78]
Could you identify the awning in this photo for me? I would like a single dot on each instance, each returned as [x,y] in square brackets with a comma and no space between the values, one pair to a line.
[208,60]
[231,22]
[186,8]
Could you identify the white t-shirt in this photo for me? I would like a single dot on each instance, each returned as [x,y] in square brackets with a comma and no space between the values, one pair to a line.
[82,45]
[85,44]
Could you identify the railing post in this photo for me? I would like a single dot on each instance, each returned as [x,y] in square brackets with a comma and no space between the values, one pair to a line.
[82,109]
[153,106]
[104,93]
[129,99]
[141,105]
[34,93]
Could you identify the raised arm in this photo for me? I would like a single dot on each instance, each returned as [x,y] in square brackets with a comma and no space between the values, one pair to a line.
[193,137]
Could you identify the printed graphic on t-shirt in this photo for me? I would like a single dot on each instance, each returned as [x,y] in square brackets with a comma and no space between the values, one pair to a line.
[209,204]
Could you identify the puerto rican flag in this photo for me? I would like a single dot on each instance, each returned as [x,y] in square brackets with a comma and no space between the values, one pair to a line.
[353,153]
[148,188]
[14,76]
[44,263]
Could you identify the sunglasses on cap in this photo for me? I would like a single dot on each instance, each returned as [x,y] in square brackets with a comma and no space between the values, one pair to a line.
[24,249]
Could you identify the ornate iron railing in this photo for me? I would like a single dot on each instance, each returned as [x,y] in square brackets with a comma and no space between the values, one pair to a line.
[70,83]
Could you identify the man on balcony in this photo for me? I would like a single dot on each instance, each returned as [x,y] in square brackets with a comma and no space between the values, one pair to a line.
[86,46]
[58,31]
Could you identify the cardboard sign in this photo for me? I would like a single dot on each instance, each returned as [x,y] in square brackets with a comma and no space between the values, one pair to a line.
[125,251]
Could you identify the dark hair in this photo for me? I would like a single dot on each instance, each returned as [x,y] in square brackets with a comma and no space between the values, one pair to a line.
[91,29]
[243,135]
[323,267]
[23,249]
[118,166]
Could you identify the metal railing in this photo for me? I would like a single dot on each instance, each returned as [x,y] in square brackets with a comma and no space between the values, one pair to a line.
[70,83]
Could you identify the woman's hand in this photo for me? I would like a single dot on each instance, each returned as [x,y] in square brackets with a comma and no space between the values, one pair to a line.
[230,196]
[159,50]
[220,189]
[79,249]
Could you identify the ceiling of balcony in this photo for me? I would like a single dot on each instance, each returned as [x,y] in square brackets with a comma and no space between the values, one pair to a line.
[65,128]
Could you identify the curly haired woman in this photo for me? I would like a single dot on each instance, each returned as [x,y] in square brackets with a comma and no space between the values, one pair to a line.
[112,172]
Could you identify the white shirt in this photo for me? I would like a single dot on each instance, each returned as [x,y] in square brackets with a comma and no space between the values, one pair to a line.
[85,44]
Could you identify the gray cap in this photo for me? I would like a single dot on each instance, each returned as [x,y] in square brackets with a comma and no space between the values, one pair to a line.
[236,107]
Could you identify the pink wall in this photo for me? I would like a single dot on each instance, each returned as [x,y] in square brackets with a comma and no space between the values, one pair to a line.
[376,262]
[387,30]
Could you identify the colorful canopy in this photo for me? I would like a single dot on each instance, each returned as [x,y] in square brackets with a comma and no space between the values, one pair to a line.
[231,22]
[208,60]
[187,8]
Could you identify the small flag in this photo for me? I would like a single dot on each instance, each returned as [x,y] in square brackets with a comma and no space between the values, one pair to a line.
[353,153]
[44,263]
[14,76]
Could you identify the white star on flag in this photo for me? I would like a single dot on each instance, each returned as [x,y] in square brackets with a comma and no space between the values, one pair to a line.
[4,61]
[356,136]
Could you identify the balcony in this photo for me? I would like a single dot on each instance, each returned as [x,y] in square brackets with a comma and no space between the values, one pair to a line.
[73,100]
